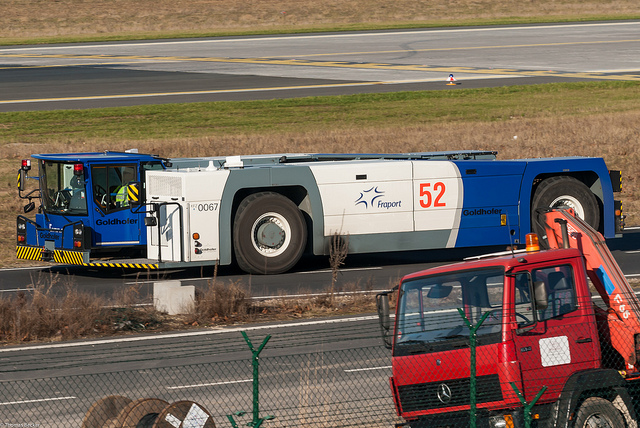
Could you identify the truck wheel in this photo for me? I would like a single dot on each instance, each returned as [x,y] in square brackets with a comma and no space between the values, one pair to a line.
[566,192]
[600,413]
[269,234]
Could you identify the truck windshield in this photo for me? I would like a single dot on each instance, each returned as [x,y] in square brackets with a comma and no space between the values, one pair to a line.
[428,319]
[62,191]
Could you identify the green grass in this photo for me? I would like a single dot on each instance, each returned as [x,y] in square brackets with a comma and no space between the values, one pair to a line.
[316,113]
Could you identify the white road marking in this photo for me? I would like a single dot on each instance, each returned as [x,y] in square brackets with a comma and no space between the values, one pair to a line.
[366,369]
[9,403]
[341,270]
[26,268]
[199,385]
[187,334]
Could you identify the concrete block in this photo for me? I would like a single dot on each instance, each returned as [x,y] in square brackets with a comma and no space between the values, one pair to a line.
[171,297]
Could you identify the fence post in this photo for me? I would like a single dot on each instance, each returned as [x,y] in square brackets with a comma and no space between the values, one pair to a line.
[472,364]
[527,406]
[257,420]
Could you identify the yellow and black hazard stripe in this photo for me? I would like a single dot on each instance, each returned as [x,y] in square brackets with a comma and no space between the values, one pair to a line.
[150,266]
[68,257]
[134,193]
[76,258]
[28,253]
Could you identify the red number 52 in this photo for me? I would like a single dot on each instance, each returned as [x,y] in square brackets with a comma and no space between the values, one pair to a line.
[426,197]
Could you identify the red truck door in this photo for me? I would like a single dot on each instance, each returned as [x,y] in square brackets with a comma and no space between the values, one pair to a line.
[564,339]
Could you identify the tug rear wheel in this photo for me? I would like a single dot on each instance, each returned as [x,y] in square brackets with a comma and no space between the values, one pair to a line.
[565,192]
[269,234]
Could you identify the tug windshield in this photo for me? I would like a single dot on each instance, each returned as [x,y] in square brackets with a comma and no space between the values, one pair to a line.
[62,190]
[428,317]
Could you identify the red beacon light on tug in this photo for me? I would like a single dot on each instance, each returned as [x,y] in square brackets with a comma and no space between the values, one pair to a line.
[78,169]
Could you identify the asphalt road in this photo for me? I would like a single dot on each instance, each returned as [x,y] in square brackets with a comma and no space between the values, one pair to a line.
[312,275]
[50,77]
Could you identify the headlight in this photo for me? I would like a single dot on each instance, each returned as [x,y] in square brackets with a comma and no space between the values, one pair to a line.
[504,421]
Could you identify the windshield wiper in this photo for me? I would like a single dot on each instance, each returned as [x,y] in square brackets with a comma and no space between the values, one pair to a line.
[412,343]
[453,336]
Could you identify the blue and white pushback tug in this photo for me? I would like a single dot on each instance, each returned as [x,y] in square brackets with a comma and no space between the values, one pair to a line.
[265,211]
[84,212]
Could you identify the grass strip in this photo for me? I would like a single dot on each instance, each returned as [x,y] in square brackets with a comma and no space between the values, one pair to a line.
[316,113]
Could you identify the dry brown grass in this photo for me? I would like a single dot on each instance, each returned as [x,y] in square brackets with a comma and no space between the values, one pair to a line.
[221,303]
[55,311]
[55,18]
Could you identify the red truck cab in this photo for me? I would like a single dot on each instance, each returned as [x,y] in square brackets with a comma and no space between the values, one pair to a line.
[539,335]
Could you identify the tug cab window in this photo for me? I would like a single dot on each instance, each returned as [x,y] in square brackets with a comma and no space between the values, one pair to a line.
[63,191]
[110,186]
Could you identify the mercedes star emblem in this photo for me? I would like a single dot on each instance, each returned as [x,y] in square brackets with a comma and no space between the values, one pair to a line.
[444,393]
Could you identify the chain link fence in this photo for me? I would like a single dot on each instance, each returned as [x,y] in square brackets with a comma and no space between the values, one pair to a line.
[326,375]
[562,370]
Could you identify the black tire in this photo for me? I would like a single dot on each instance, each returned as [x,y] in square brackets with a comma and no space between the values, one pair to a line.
[600,413]
[565,192]
[269,234]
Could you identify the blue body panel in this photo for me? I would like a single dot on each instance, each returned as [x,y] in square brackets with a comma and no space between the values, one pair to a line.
[493,188]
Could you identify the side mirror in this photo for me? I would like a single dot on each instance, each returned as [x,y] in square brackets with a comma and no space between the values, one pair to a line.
[439,291]
[29,207]
[540,295]
[150,221]
[382,302]
[133,193]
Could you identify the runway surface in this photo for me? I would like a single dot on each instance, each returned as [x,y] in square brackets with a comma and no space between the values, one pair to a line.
[91,75]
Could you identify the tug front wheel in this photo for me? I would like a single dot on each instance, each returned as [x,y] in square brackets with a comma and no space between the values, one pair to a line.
[269,234]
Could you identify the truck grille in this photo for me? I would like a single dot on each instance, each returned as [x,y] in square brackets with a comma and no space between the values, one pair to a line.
[425,396]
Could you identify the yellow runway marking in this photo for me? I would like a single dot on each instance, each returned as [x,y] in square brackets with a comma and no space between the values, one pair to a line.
[162,94]
[531,45]
[337,64]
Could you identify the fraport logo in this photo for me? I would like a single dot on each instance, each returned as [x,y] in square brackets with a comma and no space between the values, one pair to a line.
[116,221]
[373,198]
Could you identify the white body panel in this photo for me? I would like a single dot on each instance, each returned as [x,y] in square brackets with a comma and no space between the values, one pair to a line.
[369,197]
[198,195]
[362,197]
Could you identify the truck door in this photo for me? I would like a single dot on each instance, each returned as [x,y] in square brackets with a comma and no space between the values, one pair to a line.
[563,340]
[115,225]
